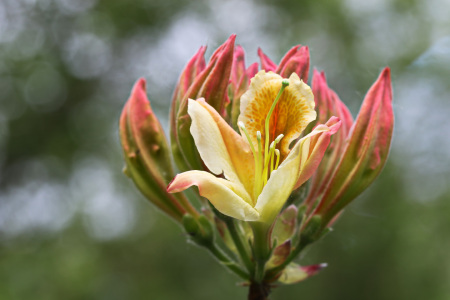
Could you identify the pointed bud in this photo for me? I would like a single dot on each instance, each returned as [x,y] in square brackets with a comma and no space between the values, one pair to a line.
[285,225]
[147,155]
[214,87]
[238,67]
[239,90]
[365,152]
[328,104]
[266,63]
[193,68]
[279,255]
[211,84]
[296,60]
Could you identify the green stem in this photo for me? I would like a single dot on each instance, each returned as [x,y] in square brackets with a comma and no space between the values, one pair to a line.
[227,262]
[236,236]
[261,249]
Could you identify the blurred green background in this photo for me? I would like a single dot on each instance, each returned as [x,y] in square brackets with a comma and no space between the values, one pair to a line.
[72,226]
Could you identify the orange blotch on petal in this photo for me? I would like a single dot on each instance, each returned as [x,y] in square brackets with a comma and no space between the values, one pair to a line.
[293,112]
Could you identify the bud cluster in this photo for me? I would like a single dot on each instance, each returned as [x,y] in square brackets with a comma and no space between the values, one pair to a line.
[260,252]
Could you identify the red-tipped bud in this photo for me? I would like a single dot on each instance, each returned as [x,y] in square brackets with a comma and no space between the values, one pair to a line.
[215,83]
[296,60]
[295,273]
[211,84]
[266,63]
[328,104]
[194,67]
[240,81]
[238,68]
[279,255]
[365,152]
[147,154]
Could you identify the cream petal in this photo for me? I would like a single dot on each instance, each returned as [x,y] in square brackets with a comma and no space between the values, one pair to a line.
[223,194]
[211,144]
[283,181]
[278,187]
[239,151]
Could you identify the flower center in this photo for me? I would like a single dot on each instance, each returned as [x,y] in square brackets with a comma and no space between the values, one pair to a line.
[265,162]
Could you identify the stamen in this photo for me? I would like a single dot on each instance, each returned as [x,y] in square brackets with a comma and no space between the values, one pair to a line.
[278,139]
[272,160]
[258,171]
[277,153]
[266,164]
[258,137]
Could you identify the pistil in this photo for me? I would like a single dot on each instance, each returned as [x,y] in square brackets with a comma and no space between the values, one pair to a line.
[284,84]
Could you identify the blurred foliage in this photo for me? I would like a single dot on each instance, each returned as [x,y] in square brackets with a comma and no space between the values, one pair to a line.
[73,227]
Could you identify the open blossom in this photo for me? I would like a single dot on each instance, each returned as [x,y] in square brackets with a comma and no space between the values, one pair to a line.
[260,169]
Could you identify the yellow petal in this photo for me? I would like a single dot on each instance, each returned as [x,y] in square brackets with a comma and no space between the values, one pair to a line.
[283,180]
[223,194]
[278,187]
[241,157]
[294,111]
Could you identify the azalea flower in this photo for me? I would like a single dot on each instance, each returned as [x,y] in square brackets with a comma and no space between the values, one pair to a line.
[249,143]
[253,173]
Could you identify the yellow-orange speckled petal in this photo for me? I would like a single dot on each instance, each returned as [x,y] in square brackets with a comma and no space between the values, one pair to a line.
[293,112]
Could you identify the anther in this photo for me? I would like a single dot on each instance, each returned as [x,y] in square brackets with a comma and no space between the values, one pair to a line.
[278,139]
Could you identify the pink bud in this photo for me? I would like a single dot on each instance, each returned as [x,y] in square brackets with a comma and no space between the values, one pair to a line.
[147,154]
[280,254]
[214,88]
[240,81]
[238,68]
[365,152]
[296,60]
[211,84]
[266,63]
[328,104]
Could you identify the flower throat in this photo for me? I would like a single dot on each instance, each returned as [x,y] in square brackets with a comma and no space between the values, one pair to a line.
[265,162]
